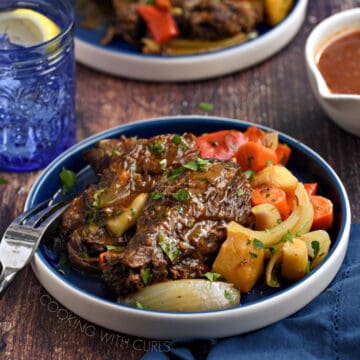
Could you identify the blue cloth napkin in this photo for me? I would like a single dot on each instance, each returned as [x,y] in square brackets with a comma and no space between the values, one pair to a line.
[327,328]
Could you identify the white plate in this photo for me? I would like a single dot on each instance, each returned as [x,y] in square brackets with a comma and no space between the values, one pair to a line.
[85,295]
[119,59]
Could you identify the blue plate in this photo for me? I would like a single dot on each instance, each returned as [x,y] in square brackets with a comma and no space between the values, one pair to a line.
[120,58]
[70,285]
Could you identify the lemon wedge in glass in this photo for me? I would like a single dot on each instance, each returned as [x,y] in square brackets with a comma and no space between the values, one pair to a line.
[27,27]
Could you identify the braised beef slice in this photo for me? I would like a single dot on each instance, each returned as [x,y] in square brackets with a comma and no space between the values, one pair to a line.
[182,225]
[178,235]
[126,168]
[198,19]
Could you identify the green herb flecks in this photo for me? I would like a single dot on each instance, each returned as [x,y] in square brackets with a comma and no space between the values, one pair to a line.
[197,164]
[228,296]
[114,248]
[205,106]
[68,180]
[97,197]
[258,244]
[3,181]
[176,173]
[211,276]
[157,195]
[240,192]
[315,245]
[171,251]
[253,255]
[181,195]
[63,260]
[157,147]
[249,174]
[84,255]
[145,276]
[139,305]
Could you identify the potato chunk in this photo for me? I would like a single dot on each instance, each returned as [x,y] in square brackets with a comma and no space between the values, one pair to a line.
[240,260]
[294,260]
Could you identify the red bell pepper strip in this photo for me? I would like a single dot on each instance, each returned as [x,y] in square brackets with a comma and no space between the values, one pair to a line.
[159,22]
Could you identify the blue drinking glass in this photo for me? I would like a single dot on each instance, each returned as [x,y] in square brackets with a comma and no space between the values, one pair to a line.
[37,91]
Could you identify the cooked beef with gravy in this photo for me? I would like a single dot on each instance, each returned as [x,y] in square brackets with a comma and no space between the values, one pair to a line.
[196,19]
[180,225]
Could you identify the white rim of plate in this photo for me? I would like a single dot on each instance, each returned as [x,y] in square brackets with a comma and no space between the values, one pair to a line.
[192,67]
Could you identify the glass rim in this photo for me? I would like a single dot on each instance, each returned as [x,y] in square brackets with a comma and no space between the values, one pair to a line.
[63,33]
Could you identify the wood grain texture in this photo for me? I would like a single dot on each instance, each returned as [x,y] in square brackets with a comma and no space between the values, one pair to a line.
[275,93]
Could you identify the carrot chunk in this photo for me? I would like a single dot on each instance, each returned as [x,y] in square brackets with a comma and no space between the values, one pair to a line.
[283,153]
[255,134]
[254,156]
[270,194]
[323,212]
[311,188]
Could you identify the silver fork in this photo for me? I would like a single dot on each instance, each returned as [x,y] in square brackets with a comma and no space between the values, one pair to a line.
[23,236]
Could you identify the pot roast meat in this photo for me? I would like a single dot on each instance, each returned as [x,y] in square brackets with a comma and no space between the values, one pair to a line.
[182,225]
[197,19]
[178,236]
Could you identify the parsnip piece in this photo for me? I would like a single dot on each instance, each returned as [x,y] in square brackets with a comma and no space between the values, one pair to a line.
[318,245]
[306,217]
[185,295]
[271,140]
[239,261]
[266,216]
[297,223]
[277,175]
[119,224]
[294,259]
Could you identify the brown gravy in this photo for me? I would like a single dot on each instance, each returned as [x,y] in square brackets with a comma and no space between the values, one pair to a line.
[339,63]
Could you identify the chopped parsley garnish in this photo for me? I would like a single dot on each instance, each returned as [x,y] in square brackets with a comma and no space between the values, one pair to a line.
[139,305]
[157,147]
[278,221]
[96,197]
[253,255]
[205,106]
[228,296]
[181,195]
[3,181]
[68,180]
[315,245]
[240,192]
[177,139]
[63,260]
[212,276]
[114,248]
[171,251]
[197,165]
[268,162]
[258,244]
[61,271]
[175,173]
[287,237]
[180,210]
[145,276]
[116,152]
[157,195]
[84,255]
[249,174]
[308,267]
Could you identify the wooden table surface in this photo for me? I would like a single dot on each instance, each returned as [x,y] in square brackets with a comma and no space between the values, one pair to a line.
[275,93]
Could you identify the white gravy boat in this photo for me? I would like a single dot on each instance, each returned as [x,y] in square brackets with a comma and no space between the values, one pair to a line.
[343,109]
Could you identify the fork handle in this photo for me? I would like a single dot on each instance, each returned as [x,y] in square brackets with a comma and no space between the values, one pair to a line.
[6,277]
